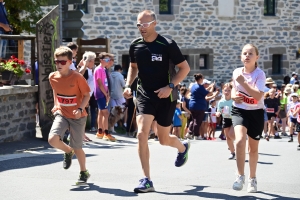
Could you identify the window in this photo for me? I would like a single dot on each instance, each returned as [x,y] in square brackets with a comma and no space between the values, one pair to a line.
[83,6]
[276,63]
[269,8]
[165,7]
[203,61]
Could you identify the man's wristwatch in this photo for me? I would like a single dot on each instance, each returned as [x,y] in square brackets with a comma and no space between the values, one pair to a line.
[81,110]
[127,86]
[171,85]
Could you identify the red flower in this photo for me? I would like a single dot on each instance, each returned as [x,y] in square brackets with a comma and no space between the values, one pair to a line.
[21,62]
[14,65]
[13,57]
[27,71]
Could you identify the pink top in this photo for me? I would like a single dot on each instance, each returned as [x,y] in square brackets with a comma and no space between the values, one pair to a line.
[99,73]
[256,79]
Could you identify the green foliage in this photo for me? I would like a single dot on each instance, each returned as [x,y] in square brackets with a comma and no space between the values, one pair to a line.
[30,9]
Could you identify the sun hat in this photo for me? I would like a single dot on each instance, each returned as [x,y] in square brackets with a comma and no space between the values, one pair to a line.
[269,81]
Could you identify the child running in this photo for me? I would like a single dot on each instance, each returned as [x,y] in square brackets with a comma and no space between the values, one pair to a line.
[248,114]
[224,108]
[71,95]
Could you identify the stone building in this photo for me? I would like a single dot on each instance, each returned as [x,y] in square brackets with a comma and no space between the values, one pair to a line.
[210,33]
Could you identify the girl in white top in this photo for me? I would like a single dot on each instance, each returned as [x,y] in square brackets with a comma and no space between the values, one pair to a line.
[248,114]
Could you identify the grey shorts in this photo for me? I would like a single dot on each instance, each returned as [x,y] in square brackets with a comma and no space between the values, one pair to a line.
[75,126]
[282,114]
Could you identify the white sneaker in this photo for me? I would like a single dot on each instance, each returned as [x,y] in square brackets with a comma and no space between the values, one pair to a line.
[93,129]
[252,185]
[188,136]
[239,182]
[232,156]
[198,138]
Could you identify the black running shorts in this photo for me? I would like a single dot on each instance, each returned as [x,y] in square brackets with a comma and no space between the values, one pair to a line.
[226,123]
[253,120]
[163,110]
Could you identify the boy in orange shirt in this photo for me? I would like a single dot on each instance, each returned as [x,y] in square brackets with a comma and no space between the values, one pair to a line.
[71,95]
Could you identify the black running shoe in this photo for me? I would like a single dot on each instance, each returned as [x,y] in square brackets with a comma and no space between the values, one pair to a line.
[68,159]
[298,148]
[83,177]
[291,139]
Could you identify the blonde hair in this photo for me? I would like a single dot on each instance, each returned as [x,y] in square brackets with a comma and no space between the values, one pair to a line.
[227,85]
[63,51]
[256,50]
[89,55]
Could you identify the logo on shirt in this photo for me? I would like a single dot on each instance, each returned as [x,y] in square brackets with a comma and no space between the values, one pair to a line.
[156,57]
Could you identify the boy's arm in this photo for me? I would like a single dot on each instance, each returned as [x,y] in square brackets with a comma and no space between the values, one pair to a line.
[296,111]
[85,100]
[101,86]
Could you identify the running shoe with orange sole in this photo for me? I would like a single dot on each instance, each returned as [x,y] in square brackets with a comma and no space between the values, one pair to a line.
[109,137]
[99,135]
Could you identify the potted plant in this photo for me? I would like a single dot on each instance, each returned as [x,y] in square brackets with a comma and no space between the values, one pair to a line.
[12,67]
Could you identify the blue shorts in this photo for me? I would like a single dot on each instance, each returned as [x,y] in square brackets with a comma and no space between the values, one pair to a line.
[293,120]
[102,103]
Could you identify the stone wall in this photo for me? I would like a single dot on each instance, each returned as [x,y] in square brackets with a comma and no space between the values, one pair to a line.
[17,112]
[206,25]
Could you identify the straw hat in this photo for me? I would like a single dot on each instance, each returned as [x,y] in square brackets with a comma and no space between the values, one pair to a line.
[269,81]
[289,85]
[288,90]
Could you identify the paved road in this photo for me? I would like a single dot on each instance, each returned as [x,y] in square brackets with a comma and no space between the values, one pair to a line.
[35,172]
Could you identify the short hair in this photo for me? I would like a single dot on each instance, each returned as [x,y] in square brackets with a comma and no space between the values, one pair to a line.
[149,12]
[72,45]
[89,55]
[104,54]
[63,51]
[118,67]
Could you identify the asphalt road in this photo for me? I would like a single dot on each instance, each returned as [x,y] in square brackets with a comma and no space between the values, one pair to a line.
[31,170]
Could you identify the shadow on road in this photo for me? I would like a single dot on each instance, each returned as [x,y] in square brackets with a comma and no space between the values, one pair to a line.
[198,191]
[263,163]
[115,192]
[266,154]
[33,161]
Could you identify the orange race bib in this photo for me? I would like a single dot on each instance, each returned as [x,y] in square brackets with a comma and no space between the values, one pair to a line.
[250,101]
[270,110]
[67,100]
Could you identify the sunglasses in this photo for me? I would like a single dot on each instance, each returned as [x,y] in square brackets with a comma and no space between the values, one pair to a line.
[107,59]
[145,25]
[62,62]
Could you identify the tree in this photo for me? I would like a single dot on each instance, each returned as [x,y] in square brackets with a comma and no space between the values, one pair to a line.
[23,14]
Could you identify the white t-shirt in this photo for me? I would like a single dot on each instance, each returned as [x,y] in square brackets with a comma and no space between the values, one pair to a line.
[72,67]
[212,114]
[256,79]
[290,107]
[90,81]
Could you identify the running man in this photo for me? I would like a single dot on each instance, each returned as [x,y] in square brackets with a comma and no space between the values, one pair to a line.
[153,59]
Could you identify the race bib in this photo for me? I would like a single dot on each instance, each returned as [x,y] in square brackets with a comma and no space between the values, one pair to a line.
[226,112]
[67,100]
[250,101]
[105,82]
[270,110]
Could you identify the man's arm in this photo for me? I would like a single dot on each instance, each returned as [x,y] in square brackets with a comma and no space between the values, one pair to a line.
[132,73]
[6,27]
[183,71]
[85,100]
